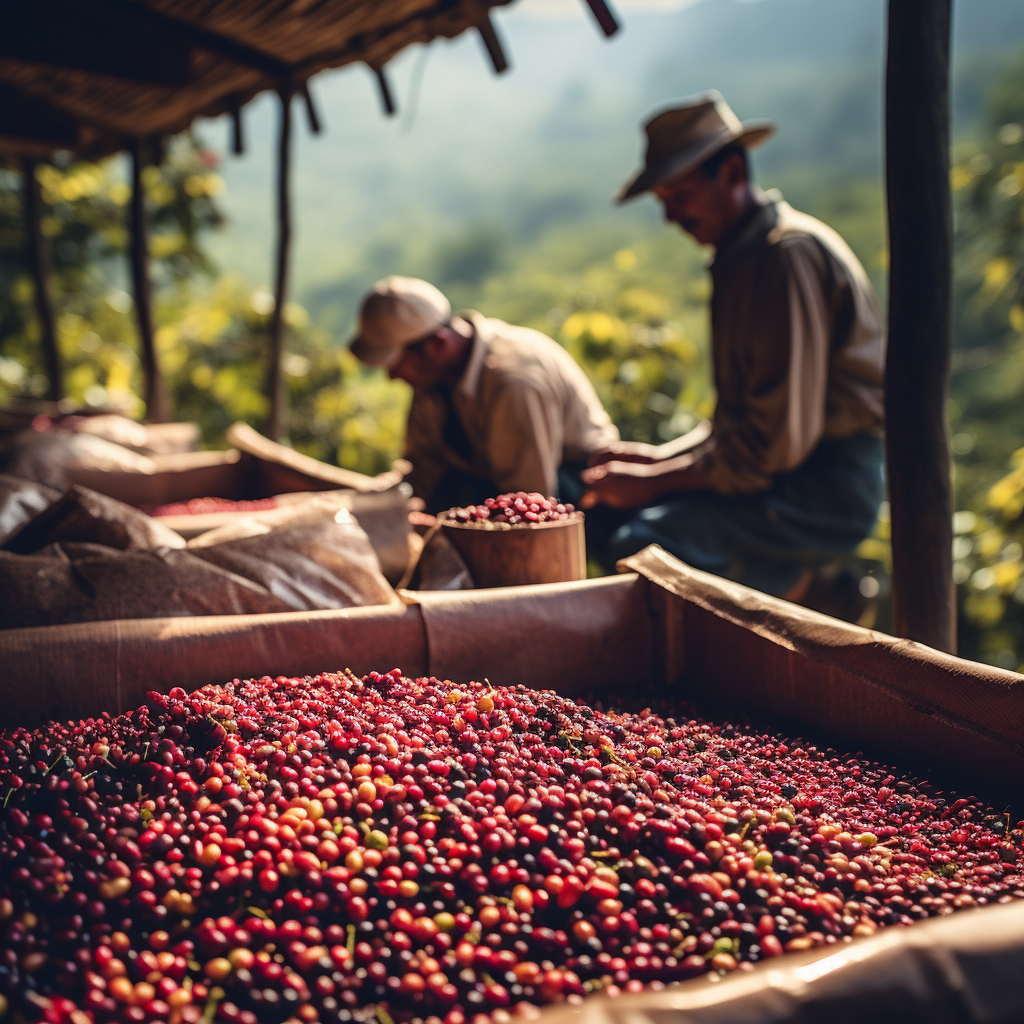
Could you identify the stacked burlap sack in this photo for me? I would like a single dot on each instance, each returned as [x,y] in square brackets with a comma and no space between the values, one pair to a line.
[54,451]
[93,557]
[83,556]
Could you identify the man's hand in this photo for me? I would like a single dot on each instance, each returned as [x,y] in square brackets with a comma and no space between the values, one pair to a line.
[619,484]
[633,485]
[626,451]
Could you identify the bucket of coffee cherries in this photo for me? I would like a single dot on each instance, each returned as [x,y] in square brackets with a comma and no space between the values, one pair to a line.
[518,538]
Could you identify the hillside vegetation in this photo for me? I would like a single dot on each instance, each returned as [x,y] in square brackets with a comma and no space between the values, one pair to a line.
[499,191]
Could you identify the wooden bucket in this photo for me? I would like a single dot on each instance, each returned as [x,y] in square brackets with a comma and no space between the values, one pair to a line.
[500,555]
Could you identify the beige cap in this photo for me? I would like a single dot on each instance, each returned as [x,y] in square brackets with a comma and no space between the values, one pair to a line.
[397,312]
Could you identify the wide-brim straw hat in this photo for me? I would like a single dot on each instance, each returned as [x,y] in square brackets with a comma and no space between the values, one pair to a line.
[683,137]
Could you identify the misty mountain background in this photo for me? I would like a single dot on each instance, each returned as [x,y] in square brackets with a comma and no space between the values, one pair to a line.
[479,172]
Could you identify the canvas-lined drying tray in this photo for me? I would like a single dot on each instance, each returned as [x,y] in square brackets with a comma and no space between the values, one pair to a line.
[384,515]
[663,621]
[706,640]
[254,467]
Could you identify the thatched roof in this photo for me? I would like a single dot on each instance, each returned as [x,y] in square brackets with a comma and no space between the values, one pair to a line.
[88,74]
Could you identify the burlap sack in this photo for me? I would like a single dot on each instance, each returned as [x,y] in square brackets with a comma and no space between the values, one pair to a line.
[384,515]
[144,438]
[81,515]
[51,457]
[302,558]
[309,555]
[78,582]
[20,502]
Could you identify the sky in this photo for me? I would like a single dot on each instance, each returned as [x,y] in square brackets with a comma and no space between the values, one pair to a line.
[561,9]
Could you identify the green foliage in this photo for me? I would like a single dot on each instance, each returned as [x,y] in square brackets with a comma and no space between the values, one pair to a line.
[988,416]
[211,340]
[213,349]
[86,224]
[987,393]
[633,317]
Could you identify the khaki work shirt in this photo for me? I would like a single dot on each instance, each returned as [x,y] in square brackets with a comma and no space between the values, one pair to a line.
[524,408]
[798,347]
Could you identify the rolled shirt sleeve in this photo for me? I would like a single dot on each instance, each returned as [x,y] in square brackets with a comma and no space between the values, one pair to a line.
[773,370]
[524,440]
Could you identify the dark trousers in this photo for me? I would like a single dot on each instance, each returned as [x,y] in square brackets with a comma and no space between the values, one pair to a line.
[818,512]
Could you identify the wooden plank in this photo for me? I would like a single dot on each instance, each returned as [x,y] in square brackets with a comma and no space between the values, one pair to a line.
[586,637]
[39,262]
[292,471]
[920,320]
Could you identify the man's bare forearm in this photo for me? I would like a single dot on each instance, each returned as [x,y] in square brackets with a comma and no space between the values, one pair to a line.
[678,474]
[690,440]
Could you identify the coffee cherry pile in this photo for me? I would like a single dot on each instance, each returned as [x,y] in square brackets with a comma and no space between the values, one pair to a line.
[515,509]
[341,849]
[201,506]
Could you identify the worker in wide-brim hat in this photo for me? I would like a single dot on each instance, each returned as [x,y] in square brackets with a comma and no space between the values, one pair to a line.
[495,407]
[788,473]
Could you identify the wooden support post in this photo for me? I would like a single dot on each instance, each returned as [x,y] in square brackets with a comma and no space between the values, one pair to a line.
[604,16]
[154,387]
[275,378]
[920,320]
[38,259]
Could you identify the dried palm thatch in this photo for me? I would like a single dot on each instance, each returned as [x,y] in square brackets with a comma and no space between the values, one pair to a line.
[87,74]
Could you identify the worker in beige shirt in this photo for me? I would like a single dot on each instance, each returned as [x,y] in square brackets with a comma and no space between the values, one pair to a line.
[495,408]
[788,475]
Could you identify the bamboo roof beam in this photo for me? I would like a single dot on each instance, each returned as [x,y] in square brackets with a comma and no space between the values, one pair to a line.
[387,100]
[480,16]
[39,124]
[312,115]
[237,131]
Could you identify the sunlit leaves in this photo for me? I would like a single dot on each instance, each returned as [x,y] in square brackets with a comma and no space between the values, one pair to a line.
[86,224]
